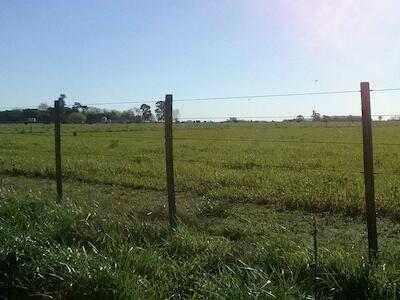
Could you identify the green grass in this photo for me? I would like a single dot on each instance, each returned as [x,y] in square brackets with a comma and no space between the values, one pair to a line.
[245,228]
[105,242]
[252,162]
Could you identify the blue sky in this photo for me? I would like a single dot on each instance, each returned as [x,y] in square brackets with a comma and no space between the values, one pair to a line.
[112,51]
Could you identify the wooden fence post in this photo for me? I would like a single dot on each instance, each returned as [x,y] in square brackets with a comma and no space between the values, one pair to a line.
[57,136]
[169,161]
[369,171]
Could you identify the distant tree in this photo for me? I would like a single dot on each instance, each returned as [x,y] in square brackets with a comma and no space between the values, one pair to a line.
[43,107]
[176,115]
[137,115]
[62,99]
[62,107]
[232,119]
[300,118]
[160,105]
[133,115]
[316,116]
[128,114]
[45,116]
[147,115]
[114,115]
[77,118]
[380,118]
[94,110]
[77,107]
[137,111]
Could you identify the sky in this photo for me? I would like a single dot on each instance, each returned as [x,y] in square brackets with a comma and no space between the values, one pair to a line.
[97,51]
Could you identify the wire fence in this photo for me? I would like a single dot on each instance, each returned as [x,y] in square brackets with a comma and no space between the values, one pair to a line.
[157,156]
[245,97]
[81,155]
[101,135]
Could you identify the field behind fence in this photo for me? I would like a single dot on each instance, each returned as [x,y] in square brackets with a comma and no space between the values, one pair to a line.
[314,166]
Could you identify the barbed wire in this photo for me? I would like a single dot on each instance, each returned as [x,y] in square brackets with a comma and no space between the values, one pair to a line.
[291,168]
[28,151]
[335,124]
[307,117]
[225,140]
[85,155]
[385,90]
[266,141]
[282,141]
[41,133]
[294,168]
[216,98]
[268,96]
[285,167]
[137,138]
[90,154]
[238,117]
[222,140]
[228,97]
[329,118]
[277,95]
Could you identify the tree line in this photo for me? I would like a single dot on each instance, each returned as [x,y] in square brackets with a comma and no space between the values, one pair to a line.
[315,116]
[79,114]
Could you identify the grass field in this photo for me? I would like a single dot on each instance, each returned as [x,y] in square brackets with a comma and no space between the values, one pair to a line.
[307,166]
[246,195]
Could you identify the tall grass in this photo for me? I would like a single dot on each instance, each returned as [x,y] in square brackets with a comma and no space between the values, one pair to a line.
[118,246]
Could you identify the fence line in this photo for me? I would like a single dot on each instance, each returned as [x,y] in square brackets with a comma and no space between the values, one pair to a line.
[227,117]
[294,168]
[278,95]
[291,117]
[86,155]
[269,96]
[137,138]
[283,167]
[229,97]
[386,90]
[64,153]
[366,142]
[283,141]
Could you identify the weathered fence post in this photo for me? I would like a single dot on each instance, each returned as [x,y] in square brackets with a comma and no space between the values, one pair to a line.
[369,171]
[169,161]
[57,136]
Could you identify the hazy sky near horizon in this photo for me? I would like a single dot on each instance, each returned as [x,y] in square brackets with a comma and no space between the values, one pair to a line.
[125,50]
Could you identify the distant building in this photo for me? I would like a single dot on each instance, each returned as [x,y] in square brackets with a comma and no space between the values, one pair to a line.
[232,119]
[31,120]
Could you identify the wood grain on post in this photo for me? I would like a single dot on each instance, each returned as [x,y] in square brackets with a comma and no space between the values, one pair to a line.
[57,136]
[369,171]
[169,161]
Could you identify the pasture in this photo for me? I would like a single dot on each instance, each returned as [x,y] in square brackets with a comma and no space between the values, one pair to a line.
[313,166]
[246,193]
